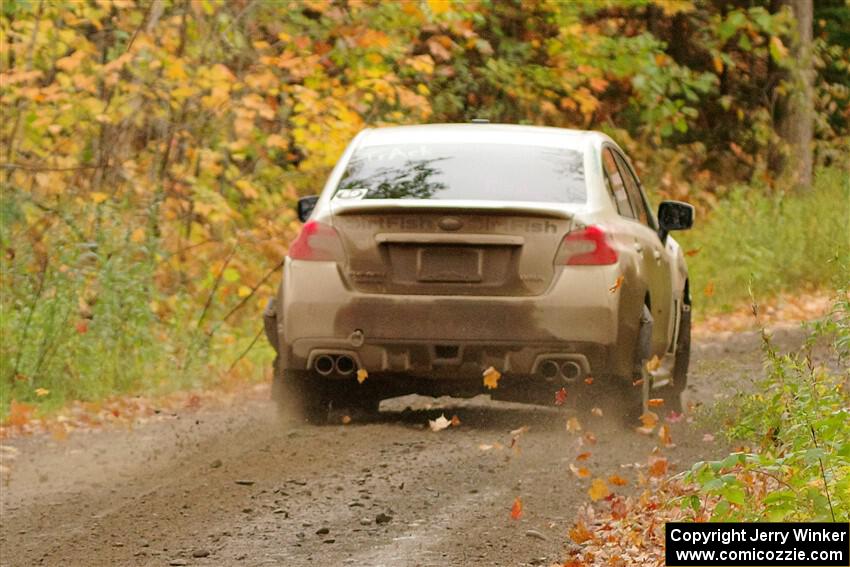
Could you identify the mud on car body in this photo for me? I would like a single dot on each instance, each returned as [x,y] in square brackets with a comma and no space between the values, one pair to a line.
[437,251]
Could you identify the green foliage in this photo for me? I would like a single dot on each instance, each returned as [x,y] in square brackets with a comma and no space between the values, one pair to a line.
[770,243]
[797,417]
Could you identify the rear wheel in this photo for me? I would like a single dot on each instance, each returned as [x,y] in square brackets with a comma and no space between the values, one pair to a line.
[679,377]
[300,395]
[633,391]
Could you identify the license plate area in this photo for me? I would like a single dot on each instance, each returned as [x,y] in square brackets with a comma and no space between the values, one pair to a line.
[450,264]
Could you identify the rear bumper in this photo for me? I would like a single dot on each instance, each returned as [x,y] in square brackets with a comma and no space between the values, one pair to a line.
[447,335]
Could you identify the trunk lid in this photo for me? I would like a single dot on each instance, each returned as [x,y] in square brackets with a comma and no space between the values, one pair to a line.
[450,248]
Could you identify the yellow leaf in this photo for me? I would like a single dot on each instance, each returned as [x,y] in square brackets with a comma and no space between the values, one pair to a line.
[362,374]
[491,378]
[174,70]
[41,392]
[439,6]
[573,425]
[138,235]
[98,197]
[598,489]
[653,363]
[244,291]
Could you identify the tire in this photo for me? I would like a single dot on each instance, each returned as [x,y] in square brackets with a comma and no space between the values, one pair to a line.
[631,400]
[673,393]
[300,395]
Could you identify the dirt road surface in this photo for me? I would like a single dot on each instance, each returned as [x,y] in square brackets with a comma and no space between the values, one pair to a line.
[236,486]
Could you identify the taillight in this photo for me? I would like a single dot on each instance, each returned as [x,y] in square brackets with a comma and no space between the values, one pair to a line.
[316,242]
[588,246]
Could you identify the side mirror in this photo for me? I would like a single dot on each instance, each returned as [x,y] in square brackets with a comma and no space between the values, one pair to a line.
[306,206]
[674,215]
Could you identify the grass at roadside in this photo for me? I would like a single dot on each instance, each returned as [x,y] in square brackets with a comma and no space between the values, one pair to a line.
[770,243]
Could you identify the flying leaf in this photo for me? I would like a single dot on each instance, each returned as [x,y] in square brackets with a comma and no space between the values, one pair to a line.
[579,533]
[597,412]
[618,508]
[573,425]
[693,252]
[655,402]
[664,435]
[516,509]
[439,424]
[598,489]
[617,480]
[491,378]
[346,419]
[617,284]
[588,380]
[455,421]
[648,422]
[97,197]
[590,438]
[653,363]
[657,466]
[362,374]
[583,456]
[708,291]
[560,397]
[41,392]
[674,416]
[580,472]
[519,431]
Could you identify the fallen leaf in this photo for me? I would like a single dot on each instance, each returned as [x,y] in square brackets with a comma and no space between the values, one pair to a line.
[590,438]
[588,380]
[655,402]
[709,289]
[598,489]
[579,532]
[618,508]
[637,382]
[617,480]
[491,378]
[573,425]
[583,456]
[194,402]
[617,284]
[657,466]
[362,374]
[82,326]
[516,509]
[439,424]
[597,412]
[708,438]
[41,392]
[560,397]
[693,252]
[580,472]
[19,413]
[98,197]
[455,421]
[653,363]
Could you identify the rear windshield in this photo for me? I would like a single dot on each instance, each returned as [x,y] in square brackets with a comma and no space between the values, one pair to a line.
[446,171]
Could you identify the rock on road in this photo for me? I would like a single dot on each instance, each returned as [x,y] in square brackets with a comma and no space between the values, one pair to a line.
[235,486]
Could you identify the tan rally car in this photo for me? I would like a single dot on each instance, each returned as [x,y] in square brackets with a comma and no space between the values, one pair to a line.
[436,252]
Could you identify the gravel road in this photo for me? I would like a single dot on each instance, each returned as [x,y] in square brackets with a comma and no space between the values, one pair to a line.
[237,486]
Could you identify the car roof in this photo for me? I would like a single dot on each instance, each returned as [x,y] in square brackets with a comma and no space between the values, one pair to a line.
[482,133]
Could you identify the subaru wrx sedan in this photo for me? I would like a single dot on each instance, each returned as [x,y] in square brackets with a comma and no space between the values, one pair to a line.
[438,255]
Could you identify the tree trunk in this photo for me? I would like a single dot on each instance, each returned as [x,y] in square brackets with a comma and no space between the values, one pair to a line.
[795,116]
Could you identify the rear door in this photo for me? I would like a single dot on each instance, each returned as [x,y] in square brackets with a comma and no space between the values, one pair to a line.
[656,258]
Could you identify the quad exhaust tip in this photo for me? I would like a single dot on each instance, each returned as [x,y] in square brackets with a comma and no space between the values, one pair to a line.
[549,369]
[570,371]
[344,365]
[324,365]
